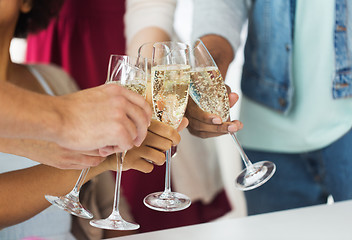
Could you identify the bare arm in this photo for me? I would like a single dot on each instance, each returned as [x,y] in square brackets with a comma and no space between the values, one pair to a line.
[149,34]
[108,115]
[221,51]
[25,114]
[50,153]
[22,191]
[148,21]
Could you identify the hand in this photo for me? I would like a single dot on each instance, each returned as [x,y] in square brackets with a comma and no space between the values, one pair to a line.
[160,138]
[50,153]
[108,116]
[205,125]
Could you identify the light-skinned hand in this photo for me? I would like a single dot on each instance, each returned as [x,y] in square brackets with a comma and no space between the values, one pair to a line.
[106,116]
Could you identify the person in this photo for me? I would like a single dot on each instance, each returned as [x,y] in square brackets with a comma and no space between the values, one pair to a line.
[23,210]
[69,120]
[195,167]
[296,86]
[81,38]
[60,43]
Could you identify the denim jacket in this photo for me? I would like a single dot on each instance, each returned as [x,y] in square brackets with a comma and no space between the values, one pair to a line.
[267,70]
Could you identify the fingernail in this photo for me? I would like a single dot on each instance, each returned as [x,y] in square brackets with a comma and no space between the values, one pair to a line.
[216,121]
[232,128]
[137,142]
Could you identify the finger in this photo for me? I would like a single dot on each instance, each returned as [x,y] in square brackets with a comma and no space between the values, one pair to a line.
[118,149]
[165,131]
[128,115]
[106,151]
[132,126]
[124,141]
[194,112]
[135,114]
[143,166]
[228,89]
[153,155]
[203,134]
[91,152]
[233,98]
[158,142]
[212,128]
[134,161]
[136,99]
[206,130]
[135,107]
[133,97]
[235,126]
[184,123]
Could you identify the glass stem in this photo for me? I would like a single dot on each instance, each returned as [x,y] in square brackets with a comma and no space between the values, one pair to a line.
[244,157]
[167,189]
[79,183]
[115,212]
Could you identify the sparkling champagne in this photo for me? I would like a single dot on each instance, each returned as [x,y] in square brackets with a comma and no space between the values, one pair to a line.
[137,87]
[170,86]
[208,91]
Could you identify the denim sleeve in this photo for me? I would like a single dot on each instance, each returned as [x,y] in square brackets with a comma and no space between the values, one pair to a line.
[221,17]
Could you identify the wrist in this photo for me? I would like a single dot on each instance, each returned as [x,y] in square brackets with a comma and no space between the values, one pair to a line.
[34,115]
[54,121]
[221,51]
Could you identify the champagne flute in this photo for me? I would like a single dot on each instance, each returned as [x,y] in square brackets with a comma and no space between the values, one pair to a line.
[170,85]
[70,202]
[209,92]
[131,73]
[146,51]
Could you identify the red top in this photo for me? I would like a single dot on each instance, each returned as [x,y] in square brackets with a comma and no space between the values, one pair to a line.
[81,39]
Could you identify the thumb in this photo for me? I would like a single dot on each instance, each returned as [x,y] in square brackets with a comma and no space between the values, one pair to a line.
[233,98]
[183,124]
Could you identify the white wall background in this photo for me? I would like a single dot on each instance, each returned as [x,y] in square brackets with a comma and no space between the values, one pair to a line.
[18,50]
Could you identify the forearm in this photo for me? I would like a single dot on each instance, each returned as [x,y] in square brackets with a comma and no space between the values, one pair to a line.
[221,50]
[222,18]
[22,191]
[25,114]
[149,34]
[148,21]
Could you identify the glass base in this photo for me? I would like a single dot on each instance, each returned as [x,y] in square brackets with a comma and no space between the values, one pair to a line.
[255,177]
[114,222]
[70,204]
[167,202]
